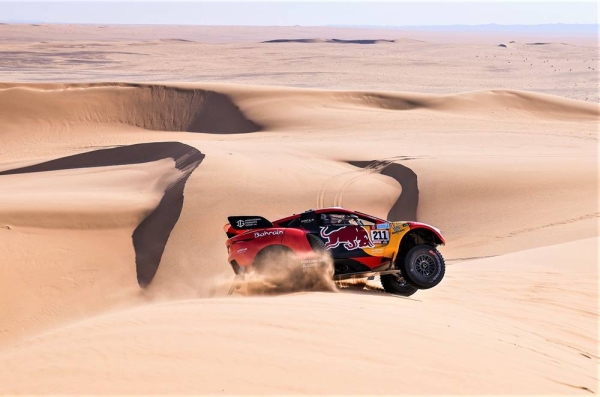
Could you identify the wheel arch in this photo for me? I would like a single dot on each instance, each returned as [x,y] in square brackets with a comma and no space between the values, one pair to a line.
[428,233]
[416,236]
[264,250]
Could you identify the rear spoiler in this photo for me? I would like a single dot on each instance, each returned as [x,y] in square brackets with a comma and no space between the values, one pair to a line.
[239,224]
[248,222]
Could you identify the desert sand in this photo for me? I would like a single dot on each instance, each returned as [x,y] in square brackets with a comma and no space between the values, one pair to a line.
[118,171]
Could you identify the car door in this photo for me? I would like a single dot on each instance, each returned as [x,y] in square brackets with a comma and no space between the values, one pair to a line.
[379,234]
[353,239]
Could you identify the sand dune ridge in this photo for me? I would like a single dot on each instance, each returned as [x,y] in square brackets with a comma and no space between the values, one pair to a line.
[151,235]
[214,110]
[152,107]
[534,104]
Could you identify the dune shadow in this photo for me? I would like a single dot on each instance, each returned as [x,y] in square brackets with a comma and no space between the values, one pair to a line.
[405,208]
[219,115]
[151,235]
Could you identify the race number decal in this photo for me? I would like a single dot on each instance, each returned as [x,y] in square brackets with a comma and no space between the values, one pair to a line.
[380,236]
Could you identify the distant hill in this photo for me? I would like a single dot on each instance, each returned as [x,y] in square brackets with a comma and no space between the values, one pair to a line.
[554,27]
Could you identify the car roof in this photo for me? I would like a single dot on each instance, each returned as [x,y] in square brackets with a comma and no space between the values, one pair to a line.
[328,210]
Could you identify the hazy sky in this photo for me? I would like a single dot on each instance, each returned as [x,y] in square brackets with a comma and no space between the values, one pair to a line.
[308,13]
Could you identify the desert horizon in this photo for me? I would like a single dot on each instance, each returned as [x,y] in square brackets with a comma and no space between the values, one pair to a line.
[125,148]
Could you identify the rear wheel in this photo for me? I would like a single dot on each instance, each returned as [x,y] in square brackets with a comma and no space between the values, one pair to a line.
[274,268]
[423,267]
[397,285]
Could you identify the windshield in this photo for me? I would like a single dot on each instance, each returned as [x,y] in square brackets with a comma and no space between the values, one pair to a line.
[340,219]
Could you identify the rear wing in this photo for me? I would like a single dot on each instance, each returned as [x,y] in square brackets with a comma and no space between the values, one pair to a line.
[239,224]
[248,222]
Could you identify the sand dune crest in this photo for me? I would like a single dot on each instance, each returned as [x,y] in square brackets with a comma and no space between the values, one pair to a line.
[152,107]
[151,235]
[485,103]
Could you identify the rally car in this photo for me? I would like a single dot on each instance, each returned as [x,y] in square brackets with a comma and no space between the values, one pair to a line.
[402,254]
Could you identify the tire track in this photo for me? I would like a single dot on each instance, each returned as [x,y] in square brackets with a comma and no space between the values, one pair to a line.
[406,205]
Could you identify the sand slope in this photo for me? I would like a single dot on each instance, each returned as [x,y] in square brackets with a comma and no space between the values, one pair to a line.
[505,174]
[153,107]
[533,327]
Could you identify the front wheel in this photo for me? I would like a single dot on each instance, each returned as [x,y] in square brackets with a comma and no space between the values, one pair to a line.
[397,285]
[423,267]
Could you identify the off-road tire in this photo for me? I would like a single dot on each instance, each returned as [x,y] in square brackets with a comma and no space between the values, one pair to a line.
[274,264]
[395,284]
[423,266]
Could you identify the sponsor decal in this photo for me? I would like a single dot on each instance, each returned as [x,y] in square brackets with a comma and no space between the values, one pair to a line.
[247,222]
[267,233]
[396,228]
[242,250]
[380,236]
[350,237]
[383,225]
[310,263]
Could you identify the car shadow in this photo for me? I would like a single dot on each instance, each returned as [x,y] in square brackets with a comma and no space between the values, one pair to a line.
[374,292]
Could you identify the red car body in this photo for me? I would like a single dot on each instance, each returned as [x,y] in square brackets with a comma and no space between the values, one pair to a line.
[363,246]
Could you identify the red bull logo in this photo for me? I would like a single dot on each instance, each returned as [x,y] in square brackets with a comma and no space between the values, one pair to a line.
[351,237]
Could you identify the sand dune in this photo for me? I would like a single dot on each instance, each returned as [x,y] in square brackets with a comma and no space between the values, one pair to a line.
[151,235]
[185,108]
[408,201]
[113,196]
[498,102]
[516,198]
[152,107]
[445,342]
[116,196]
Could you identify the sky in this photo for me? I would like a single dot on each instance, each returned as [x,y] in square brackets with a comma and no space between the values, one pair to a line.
[308,13]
